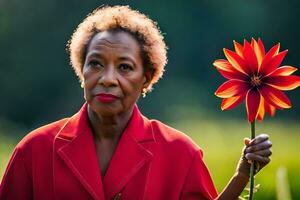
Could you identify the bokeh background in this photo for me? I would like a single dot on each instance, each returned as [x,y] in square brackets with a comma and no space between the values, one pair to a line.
[38,86]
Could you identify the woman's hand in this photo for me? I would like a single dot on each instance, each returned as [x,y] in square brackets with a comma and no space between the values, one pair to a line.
[258,150]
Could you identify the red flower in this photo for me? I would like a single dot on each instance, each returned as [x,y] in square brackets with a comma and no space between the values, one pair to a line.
[256,77]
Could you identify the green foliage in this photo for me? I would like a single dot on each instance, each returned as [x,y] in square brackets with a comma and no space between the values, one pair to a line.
[282,184]
[37,84]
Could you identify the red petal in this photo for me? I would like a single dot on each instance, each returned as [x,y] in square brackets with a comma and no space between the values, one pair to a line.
[283,71]
[250,57]
[232,88]
[270,109]
[232,102]
[259,50]
[261,46]
[238,48]
[275,97]
[261,109]
[228,71]
[236,61]
[271,53]
[283,82]
[252,104]
[274,63]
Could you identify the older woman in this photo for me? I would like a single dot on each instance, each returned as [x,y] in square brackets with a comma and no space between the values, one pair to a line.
[109,150]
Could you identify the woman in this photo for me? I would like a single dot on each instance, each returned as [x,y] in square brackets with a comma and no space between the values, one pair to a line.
[109,150]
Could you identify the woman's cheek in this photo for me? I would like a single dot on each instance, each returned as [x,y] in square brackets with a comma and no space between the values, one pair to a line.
[90,80]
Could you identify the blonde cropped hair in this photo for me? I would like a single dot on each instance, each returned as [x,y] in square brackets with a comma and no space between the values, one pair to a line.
[120,17]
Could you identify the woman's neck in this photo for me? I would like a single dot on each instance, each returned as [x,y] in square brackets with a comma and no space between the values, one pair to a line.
[108,127]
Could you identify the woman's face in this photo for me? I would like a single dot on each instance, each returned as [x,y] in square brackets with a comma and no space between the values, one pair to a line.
[113,73]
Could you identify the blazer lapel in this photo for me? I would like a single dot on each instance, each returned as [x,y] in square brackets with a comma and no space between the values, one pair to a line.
[74,144]
[131,154]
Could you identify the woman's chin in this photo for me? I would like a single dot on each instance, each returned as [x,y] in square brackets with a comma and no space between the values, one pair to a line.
[105,109]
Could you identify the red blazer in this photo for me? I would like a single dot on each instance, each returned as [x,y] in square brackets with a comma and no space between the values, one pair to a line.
[152,161]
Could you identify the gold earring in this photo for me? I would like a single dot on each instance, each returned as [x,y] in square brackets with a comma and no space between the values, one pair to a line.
[144,92]
[82,84]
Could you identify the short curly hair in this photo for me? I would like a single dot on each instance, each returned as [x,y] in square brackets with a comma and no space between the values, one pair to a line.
[145,30]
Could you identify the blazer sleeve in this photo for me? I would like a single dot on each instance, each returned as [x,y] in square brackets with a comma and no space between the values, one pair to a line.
[16,183]
[198,183]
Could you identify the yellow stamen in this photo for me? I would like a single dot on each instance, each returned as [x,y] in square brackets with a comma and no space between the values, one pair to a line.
[255,80]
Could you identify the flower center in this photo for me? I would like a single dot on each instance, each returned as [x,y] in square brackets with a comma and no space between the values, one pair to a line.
[255,80]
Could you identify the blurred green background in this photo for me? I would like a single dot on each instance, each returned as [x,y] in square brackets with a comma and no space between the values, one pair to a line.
[38,86]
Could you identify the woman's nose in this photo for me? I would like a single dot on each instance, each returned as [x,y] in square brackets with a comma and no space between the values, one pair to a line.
[108,77]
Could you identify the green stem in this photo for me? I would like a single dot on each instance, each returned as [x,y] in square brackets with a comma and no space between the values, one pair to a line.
[252,164]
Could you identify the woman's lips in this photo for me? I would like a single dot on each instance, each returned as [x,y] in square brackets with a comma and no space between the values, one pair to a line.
[106,98]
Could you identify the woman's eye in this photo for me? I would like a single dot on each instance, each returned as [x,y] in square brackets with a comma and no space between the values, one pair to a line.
[94,63]
[126,67]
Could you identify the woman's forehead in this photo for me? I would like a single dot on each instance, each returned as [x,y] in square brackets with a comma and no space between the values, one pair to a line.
[120,40]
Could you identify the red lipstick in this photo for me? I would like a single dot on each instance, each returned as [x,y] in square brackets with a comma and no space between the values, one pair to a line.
[106,98]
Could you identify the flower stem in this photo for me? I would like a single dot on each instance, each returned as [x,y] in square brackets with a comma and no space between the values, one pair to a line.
[252,164]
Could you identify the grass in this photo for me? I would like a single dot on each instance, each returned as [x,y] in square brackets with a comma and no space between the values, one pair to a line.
[6,147]
[222,141]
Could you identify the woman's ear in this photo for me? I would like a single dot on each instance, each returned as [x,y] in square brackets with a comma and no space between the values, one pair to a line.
[148,77]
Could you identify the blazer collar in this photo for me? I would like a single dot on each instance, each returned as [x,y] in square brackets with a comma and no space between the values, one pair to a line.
[79,123]
[74,144]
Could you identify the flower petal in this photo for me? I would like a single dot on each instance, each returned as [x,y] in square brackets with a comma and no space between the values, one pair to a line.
[259,50]
[261,109]
[228,71]
[236,61]
[270,109]
[275,97]
[232,88]
[274,63]
[252,104]
[271,53]
[261,47]
[283,71]
[250,57]
[232,102]
[238,48]
[283,82]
